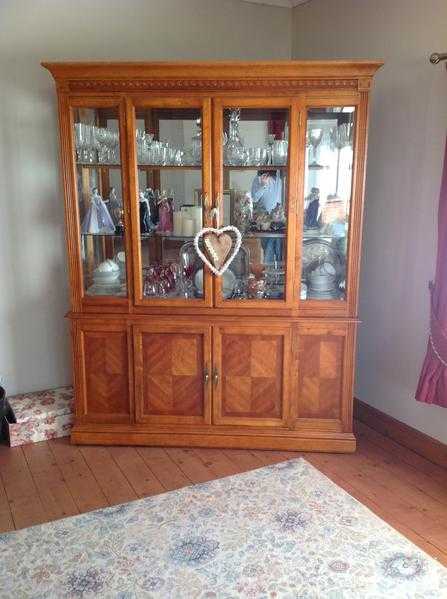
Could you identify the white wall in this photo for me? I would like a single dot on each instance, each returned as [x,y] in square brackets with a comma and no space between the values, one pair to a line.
[407,134]
[34,348]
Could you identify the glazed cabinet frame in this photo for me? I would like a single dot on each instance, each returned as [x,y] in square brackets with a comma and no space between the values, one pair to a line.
[80,301]
[209,371]
[292,104]
[141,102]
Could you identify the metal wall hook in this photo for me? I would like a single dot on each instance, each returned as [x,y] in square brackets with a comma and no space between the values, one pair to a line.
[437,57]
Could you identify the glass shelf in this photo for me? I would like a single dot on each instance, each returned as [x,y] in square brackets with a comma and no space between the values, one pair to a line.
[256,167]
[280,234]
[102,235]
[151,167]
[167,237]
[97,165]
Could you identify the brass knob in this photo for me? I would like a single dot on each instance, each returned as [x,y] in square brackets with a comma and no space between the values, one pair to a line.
[216,376]
[206,376]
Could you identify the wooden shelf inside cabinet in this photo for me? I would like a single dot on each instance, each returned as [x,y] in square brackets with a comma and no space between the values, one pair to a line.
[202,367]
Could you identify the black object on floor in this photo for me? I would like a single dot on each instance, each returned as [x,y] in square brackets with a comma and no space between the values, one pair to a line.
[7,416]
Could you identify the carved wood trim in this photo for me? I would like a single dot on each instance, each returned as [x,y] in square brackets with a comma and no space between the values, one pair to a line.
[209,84]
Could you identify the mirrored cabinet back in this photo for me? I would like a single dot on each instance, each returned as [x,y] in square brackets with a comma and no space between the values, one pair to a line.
[166,352]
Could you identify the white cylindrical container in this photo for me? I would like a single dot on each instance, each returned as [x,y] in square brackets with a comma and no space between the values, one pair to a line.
[178,224]
[196,214]
[188,227]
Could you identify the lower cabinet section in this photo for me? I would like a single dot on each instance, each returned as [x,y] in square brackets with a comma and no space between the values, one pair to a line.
[280,385]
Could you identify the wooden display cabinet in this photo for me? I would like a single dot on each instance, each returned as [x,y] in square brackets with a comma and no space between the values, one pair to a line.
[164,352]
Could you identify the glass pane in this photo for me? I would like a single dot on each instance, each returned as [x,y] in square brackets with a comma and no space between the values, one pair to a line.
[98,170]
[169,154]
[255,156]
[328,183]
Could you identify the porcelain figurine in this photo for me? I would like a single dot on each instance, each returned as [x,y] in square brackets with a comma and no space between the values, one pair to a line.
[115,205]
[166,214]
[311,217]
[145,215]
[97,219]
[152,198]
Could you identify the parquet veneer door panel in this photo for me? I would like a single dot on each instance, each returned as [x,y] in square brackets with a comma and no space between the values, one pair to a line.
[324,386]
[251,375]
[172,374]
[104,386]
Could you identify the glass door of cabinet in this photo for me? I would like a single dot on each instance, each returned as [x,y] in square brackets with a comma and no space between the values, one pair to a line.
[328,177]
[254,147]
[171,149]
[97,136]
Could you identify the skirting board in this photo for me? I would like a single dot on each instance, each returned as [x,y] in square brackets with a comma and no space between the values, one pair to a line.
[405,435]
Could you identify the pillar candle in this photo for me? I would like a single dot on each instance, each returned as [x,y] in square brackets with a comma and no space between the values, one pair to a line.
[188,227]
[196,214]
[178,224]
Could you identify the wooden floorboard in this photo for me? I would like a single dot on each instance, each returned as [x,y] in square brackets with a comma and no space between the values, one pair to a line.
[165,469]
[110,477]
[49,480]
[84,488]
[23,497]
[137,472]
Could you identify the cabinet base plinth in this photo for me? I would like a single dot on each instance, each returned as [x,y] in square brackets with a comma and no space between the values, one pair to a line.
[330,442]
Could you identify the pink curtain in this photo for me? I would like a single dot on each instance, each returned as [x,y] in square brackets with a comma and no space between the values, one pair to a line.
[432,386]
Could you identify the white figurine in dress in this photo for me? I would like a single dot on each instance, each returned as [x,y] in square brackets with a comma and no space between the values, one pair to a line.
[97,219]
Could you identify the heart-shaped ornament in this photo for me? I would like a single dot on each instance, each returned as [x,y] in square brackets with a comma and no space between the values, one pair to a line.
[219,247]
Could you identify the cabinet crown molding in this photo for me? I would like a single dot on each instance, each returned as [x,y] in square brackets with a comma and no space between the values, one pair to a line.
[219,76]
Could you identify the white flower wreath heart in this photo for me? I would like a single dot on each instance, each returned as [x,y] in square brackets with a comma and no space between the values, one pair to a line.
[216,245]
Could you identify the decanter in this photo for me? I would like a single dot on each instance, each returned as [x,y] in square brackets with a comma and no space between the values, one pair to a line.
[196,144]
[234,151]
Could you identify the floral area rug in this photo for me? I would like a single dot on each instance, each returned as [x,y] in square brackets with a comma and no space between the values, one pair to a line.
[284,531]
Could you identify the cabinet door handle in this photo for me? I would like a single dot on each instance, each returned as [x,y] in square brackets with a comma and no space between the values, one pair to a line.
[216,376]
[206,376]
